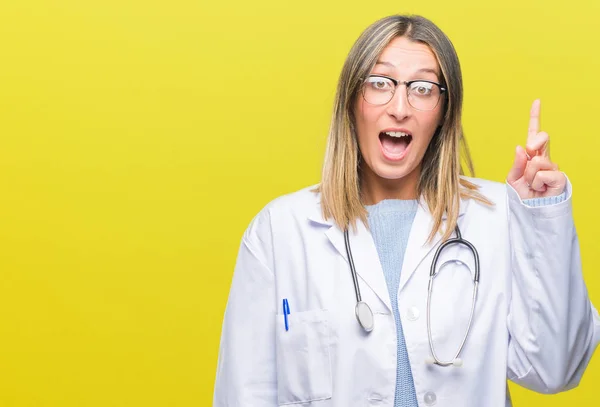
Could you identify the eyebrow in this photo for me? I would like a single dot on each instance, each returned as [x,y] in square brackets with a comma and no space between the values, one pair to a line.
[422,70]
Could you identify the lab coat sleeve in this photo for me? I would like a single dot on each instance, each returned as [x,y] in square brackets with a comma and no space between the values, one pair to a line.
[246,374]
[553,326]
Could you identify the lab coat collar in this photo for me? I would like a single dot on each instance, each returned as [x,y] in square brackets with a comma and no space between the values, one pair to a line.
[364,252]
[418,247]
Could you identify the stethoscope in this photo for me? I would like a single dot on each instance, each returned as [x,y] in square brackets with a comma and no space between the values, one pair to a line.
[364,315]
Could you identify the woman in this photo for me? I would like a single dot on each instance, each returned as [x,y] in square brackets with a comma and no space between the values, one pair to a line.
[392,192]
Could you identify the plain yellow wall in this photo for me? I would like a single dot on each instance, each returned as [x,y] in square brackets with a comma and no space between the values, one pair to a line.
[139,138]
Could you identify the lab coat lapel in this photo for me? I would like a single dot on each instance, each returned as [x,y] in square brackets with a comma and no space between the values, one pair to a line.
[418,248]
[364,252]
[365,256]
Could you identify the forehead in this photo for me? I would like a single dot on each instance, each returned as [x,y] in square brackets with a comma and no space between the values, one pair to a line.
[406,56]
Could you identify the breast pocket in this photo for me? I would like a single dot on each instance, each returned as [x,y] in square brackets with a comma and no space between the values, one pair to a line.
[303,358]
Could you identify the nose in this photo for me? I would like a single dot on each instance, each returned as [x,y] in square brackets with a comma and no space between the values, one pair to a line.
[398,107]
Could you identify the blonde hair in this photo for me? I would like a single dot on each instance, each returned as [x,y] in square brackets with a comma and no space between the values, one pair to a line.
[440,183]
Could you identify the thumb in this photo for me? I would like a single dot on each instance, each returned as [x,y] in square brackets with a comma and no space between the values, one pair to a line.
[518,168]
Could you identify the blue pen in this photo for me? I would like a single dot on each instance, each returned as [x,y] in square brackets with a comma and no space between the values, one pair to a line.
[286,312]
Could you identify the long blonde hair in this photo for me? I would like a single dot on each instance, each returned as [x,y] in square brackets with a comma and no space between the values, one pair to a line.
[440,183]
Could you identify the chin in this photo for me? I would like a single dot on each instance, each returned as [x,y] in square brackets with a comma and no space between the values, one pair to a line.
[391,172]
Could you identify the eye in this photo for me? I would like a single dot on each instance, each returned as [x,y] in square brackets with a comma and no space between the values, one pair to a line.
[421,88]
[379,83]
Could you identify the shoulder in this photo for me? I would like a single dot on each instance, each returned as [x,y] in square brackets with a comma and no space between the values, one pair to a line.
[298,204]
[295,207]
[492,190]
[491,217]
[489,199]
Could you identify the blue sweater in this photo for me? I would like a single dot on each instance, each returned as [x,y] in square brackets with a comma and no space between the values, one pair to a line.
[390,222]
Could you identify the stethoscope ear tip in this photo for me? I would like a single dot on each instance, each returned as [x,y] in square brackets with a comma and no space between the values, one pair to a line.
[457,362]
[429,361]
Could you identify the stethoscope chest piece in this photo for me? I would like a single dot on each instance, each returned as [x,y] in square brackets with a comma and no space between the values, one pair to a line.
[364,315]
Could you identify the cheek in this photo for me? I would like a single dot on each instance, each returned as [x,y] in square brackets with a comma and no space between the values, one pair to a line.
[432,122]
[439,117]
[361,123]
[366,119]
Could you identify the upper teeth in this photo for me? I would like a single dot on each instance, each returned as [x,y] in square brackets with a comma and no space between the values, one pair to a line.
[396,134]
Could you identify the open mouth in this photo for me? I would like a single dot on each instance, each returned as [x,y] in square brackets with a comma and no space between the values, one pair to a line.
[394,143]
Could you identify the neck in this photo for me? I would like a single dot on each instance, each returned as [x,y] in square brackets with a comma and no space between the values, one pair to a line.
[374,189]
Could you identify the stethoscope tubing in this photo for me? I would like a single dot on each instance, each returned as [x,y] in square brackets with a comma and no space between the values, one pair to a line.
[352,268]
[432,274]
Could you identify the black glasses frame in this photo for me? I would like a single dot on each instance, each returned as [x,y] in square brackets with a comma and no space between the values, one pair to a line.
[407,83]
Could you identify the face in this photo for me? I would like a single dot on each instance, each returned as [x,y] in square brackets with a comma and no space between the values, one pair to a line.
[394,136]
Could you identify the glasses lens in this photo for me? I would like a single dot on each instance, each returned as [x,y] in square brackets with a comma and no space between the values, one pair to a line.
[378,90]
[424,95]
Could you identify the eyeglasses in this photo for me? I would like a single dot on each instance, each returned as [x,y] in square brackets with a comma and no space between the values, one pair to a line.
[421,94]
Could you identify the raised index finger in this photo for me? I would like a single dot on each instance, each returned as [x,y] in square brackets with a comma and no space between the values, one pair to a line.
[534,120]
[537,142]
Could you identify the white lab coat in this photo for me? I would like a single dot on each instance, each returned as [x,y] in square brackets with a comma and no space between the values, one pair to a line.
[533,323]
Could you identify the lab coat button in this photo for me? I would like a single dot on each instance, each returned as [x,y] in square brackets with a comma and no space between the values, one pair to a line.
[430,398]
[412,314]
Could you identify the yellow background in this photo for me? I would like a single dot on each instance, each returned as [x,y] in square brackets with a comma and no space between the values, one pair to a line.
[139,138]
